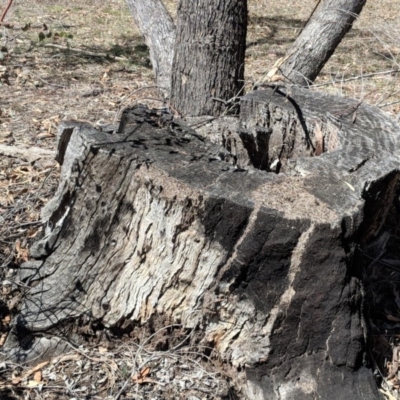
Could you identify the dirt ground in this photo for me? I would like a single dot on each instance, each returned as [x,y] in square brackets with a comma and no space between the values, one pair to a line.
[87,61]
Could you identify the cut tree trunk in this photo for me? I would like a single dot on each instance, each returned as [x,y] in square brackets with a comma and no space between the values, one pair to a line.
[157,224]
[158,29]
[318,40]
[208,66]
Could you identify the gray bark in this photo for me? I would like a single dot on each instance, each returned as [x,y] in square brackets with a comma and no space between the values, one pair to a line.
[155,224]
[318,40]
[209,55]
[158,29]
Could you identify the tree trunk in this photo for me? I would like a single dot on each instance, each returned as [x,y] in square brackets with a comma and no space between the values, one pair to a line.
[158,29]
[208,64]
[156,224]
[319,39]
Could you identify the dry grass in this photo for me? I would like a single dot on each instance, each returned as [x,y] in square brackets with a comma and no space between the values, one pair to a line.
[90,68]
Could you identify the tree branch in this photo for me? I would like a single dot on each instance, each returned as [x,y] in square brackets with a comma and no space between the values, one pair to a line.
[318,40]
[3,14]
[158,29]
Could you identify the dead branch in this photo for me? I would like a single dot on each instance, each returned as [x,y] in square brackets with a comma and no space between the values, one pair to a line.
[3,15]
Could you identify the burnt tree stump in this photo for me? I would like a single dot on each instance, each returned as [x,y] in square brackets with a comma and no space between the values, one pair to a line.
[257,252]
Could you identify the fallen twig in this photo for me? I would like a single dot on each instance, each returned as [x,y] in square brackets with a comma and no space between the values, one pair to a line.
[355,78]
[49,83]
[29,153]
[390,103]
[3,14]
[87,53]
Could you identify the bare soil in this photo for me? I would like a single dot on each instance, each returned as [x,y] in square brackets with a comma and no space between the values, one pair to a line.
[86,60]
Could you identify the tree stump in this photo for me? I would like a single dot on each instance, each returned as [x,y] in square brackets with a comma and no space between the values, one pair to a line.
[155,223]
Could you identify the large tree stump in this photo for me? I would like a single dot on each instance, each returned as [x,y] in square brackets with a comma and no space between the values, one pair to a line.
[156,223]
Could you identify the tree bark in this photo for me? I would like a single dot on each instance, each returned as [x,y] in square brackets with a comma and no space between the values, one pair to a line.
[209,55]
[157,224]
[318,40]
[158,29]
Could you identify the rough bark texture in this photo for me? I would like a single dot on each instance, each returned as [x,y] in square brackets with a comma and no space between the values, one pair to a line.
[319,39]
[209,55]
[158,29]
[155,222]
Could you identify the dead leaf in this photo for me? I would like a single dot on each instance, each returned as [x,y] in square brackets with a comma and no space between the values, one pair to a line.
[37,377]
[22,254]
[32,232]
[45,135]
[10,198]
[141,376]
[12,303]
[67,357]
[17,380]
[32,384]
